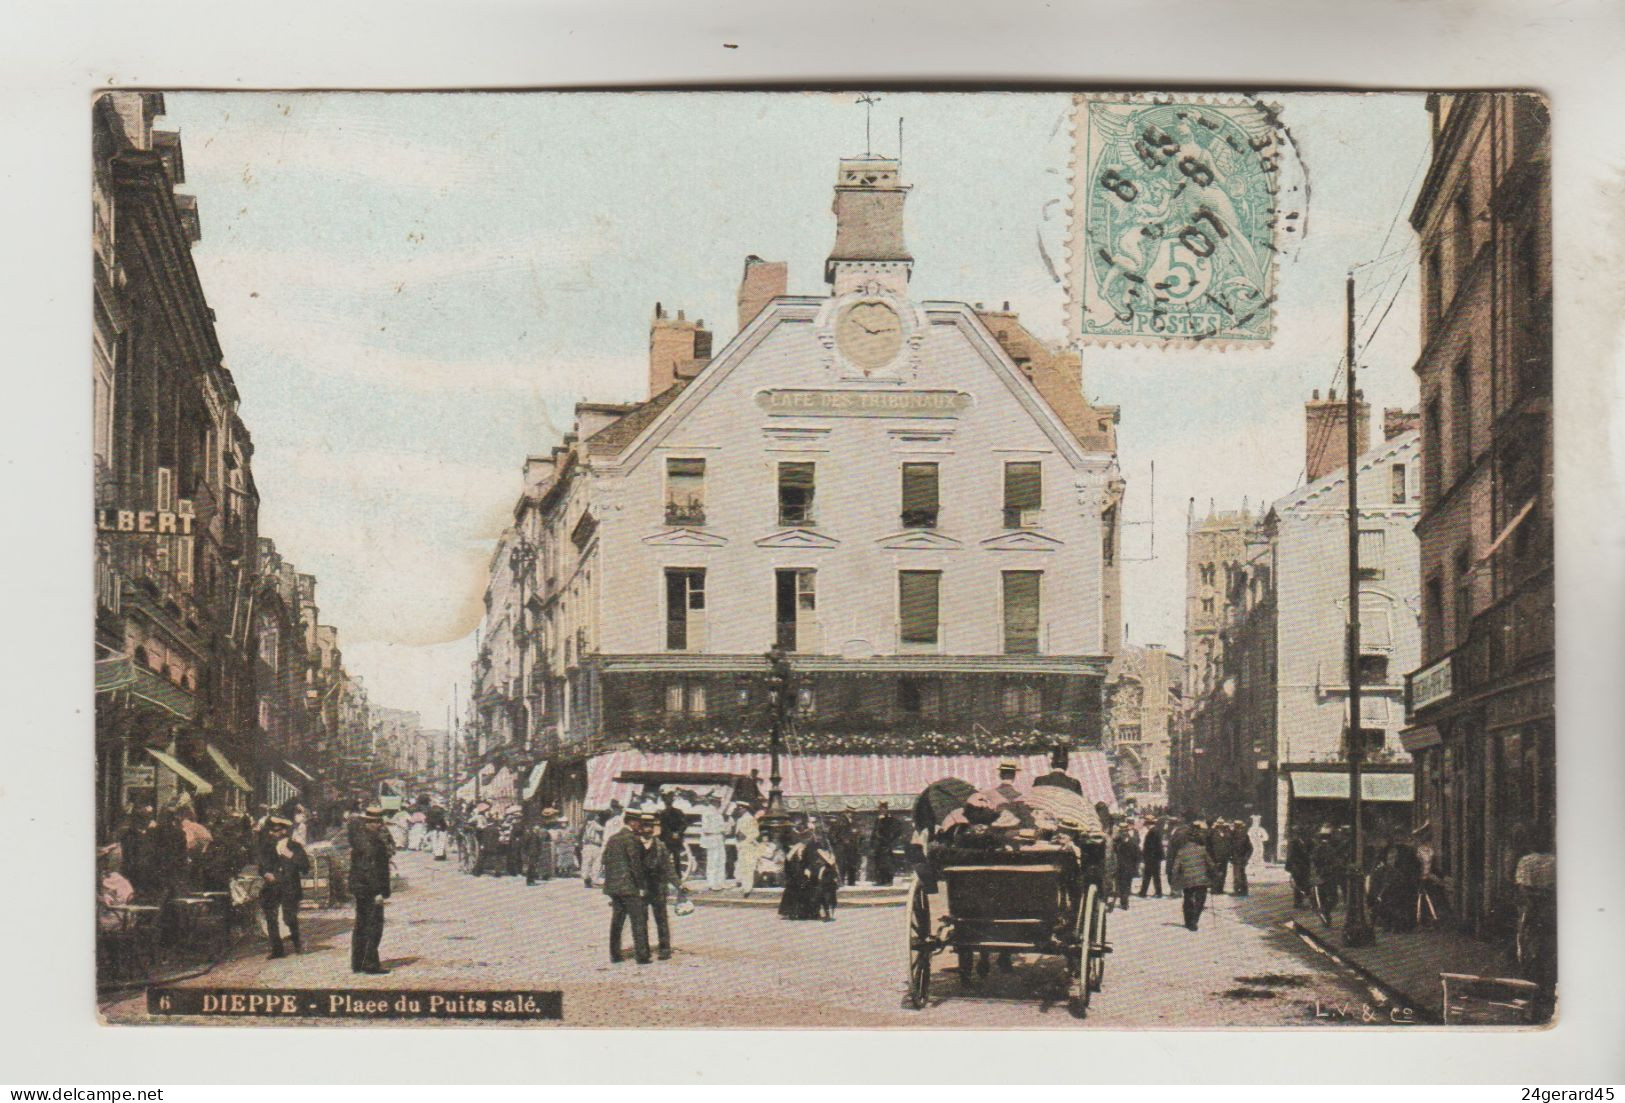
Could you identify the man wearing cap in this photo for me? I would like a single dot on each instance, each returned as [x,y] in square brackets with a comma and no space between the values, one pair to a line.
[626,883]
[282,863]
[660,869]
[369,884]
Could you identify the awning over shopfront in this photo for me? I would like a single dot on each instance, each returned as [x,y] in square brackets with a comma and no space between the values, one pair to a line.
[278,789]
[1328,785]
[298,770]
[534,782]
[182,771]
[1420,738]
[835,782]
[502,787]
[226,768]
[114,673]
[161,692]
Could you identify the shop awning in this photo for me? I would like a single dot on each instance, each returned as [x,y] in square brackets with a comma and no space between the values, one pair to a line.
[534,782]
[501,788]
[1420,738]
[1327,785]
[114,673]
[834,782]
[182,771]
[297,769]
[226,768]
[161,692]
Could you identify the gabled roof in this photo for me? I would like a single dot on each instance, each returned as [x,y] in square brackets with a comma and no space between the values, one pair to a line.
[625,429]
[1334,480]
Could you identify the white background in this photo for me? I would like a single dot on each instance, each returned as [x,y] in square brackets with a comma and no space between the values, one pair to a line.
[57,53]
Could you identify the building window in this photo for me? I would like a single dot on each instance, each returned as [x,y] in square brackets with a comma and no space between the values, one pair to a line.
[1022,699]
[918,697]
[917,606]
[1023,494]
[1433,450]
[1208,574]
[795,601]
[1435,293]
[685,607]
[685,698]
[1396,484]
[1108,537]
[265,716]
[685,491]
[1462,235]
[806,701]
[796,493]
[1021,597]
[920,501]
[1461,418]
[1373,670]
[1207,605]
[1376,620]
[1464,594]
[1372,553]
[1433,622]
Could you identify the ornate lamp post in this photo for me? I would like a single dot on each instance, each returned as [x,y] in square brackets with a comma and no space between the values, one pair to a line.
[780,700]
[521,558]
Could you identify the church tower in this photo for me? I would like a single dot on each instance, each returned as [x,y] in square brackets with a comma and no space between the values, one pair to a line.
[869,247]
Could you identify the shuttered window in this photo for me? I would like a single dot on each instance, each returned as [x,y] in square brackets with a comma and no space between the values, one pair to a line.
[1023,493]
[685,594]
[1373,553]
[920,502]
[795,493]
[917,604]
[1021,590]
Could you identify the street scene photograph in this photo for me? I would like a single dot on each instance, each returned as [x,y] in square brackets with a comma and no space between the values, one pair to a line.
[823,559]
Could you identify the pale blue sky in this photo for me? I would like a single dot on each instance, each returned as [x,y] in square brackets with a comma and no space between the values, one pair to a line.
[413,290]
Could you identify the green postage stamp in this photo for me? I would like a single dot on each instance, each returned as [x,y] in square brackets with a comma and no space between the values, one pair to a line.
[1179,209]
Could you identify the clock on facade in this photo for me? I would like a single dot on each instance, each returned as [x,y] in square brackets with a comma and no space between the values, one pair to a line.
[869,334]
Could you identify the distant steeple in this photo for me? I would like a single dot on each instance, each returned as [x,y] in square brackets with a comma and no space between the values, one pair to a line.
[869,245]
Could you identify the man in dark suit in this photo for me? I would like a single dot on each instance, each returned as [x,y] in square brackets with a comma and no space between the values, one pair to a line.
[661,873]
[887,832]
[369,884]
[282,863]
[1057,775]
[1151,857]
[1219,848]
[626,883]
[673,827]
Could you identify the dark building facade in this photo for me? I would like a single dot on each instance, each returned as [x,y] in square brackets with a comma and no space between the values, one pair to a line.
[1481,703]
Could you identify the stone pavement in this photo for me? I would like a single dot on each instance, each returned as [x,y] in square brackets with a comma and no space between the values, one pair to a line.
[1407,965]
[746,967]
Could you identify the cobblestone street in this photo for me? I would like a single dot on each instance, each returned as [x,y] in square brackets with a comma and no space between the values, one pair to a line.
[745,967]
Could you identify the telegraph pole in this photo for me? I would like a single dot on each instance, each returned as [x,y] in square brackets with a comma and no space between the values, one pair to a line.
[1356,929]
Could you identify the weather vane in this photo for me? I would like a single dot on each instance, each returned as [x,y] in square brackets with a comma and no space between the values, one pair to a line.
[868,102]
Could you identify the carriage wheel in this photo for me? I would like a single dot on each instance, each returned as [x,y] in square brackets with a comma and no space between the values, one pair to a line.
[1078,961]
[1095,949]
[919,945]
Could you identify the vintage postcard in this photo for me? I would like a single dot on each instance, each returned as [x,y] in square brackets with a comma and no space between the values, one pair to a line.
[1052,560]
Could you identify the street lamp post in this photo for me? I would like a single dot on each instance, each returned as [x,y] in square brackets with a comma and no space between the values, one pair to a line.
[779,675]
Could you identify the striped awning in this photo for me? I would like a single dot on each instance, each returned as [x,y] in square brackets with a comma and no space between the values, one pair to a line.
[227,770]
[182,771]
[837,782]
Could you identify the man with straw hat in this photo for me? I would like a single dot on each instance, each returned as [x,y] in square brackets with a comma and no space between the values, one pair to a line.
[369,884]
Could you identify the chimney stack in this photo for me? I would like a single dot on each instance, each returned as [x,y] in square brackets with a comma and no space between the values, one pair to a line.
[763,281]
[678,349]
[1326,433]
[1397,421]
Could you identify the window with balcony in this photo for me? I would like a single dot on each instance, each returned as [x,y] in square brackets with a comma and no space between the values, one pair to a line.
[685,491]
[685,608]
[1021,611]
[796,481]
[920,498]
[918,608]
[1023,494]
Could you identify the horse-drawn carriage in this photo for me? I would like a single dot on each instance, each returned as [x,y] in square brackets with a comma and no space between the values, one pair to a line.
[1032,883]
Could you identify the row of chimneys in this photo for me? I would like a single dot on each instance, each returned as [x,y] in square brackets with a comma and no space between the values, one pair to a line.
[679,348]
[1326,430]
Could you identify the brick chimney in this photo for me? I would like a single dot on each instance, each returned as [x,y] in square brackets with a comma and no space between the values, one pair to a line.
[1397,421]
[1326,433]
[538,469]
[678,349]
[763,281]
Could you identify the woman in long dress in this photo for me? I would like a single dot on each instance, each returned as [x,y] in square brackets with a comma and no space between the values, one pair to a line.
[749,830]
